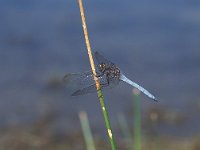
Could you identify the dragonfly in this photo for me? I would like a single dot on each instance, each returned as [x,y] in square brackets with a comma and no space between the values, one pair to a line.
[108,74]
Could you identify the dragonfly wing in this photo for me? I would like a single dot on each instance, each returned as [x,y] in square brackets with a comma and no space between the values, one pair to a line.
[89,89]
[78,80]
[101,59]
[83,83]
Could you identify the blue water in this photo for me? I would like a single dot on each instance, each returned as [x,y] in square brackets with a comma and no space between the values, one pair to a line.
[155,43]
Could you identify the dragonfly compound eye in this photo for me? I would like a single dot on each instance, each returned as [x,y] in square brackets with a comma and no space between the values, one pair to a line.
[102,66]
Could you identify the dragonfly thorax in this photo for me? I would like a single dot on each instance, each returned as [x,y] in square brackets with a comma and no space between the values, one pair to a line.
[111,71]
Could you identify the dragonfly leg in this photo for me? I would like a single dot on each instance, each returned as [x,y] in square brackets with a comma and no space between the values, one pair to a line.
[107,78]
[99,75]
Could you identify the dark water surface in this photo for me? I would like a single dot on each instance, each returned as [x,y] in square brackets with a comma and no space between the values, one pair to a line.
[155,43]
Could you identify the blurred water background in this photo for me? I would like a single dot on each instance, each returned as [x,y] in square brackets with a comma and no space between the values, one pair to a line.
[155,43]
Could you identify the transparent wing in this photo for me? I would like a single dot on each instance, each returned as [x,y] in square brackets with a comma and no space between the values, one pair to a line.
[78,80]
[90,89]
[101,59]
[83,83]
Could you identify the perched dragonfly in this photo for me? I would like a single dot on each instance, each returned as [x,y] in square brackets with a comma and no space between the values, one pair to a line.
[108,74]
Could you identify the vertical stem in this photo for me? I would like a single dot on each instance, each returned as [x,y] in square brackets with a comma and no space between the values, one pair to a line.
[86,131]
[137,120]
[99,92]
[107,121]
[125,131]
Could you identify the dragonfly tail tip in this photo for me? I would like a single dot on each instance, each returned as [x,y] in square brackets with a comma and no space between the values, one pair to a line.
[155,99]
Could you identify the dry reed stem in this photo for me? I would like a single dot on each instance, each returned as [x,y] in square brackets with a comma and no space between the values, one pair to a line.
[88,44]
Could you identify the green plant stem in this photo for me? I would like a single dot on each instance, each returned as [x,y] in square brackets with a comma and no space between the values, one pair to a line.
[125,130]
[107,121]
[86,131]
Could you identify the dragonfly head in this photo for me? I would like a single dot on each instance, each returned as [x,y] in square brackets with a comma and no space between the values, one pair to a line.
[102,67]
